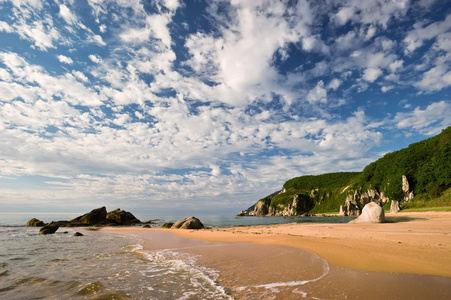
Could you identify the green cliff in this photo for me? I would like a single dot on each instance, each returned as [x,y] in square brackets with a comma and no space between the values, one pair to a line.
[417,176]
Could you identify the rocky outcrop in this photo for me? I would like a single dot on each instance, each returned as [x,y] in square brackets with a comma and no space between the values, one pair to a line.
[97,217]
[188,223]
[371,213]
[394,206]
[35,223]
[122,217]
[408,194]
[94,217]
[356,201]
[48,229]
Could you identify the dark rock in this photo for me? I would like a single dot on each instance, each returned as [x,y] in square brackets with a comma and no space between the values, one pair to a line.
[189,223]
[178,224]
[35,223]
[92,218]
[147,226]
[63,223]
[78,234]
[122,217]
[48,229]
[167,225]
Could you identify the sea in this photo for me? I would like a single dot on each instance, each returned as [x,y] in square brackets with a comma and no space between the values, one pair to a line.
[105,265]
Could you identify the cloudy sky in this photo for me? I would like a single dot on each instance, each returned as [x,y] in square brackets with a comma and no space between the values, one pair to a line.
[196,106]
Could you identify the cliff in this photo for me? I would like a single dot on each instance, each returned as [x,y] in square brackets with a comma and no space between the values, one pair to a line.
[420,171]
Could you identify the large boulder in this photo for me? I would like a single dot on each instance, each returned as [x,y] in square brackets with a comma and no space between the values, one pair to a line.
[122,217]
[189,223]
[94,217]
[371,213]
[167,225]
[35,223]
[48,229]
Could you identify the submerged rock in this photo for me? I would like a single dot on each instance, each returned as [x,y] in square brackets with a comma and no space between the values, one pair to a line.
[371,213]
[48,229]
[35,223]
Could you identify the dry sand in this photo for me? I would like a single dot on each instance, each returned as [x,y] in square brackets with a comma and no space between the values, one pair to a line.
[418,246]
[276,261]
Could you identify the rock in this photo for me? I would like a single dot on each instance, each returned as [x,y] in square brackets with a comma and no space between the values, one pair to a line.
[167,225]
[78,234]
[48,229]
[35,223]
[342,211]
[92,218]
[122,217]
[147,226]
[371,213]
[178,224]
[394,206]
[189,223]
[243,213]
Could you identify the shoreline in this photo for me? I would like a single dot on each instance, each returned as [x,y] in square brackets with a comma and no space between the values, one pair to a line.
[418,246]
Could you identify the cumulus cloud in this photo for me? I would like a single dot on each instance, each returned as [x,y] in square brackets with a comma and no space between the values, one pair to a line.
[95,58]
[65,59]
[428,121]
[371,74]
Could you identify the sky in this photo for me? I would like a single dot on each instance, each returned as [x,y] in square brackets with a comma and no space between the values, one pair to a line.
[192,107]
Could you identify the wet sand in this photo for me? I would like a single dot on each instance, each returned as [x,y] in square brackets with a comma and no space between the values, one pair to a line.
[407,258]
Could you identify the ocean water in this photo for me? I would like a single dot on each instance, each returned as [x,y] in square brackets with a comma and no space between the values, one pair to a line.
[159,265]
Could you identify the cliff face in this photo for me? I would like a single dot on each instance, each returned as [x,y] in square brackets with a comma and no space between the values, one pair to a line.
[302,204]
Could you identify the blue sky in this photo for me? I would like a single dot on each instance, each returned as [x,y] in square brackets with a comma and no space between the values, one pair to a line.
[173,106]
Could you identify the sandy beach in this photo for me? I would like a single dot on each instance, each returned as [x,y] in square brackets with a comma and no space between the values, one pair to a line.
[416,246]
[356,255]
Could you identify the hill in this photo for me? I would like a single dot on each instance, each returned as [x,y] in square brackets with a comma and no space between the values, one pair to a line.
[417,176]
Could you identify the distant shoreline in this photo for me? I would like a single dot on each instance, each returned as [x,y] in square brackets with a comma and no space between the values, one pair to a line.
[416,246]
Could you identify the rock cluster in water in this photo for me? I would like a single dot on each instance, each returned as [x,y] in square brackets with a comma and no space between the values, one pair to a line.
[97,217]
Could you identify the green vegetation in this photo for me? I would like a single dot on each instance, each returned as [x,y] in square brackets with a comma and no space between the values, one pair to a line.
[426,165]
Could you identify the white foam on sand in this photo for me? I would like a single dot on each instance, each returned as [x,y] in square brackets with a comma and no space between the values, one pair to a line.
[275,285]
[199,280]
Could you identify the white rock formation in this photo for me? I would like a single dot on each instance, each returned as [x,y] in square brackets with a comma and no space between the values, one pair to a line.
[371,213]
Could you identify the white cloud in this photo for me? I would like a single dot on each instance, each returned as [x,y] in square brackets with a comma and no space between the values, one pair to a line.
[5,27]
[80,76]
[67,15]
[95,58]
[317,94]
[371,74]
[344,15]
[427,121]
[435,79]
[45,86]
[420,33]
[65,59]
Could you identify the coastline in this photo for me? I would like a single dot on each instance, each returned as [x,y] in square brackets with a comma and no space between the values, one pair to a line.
[420,245]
